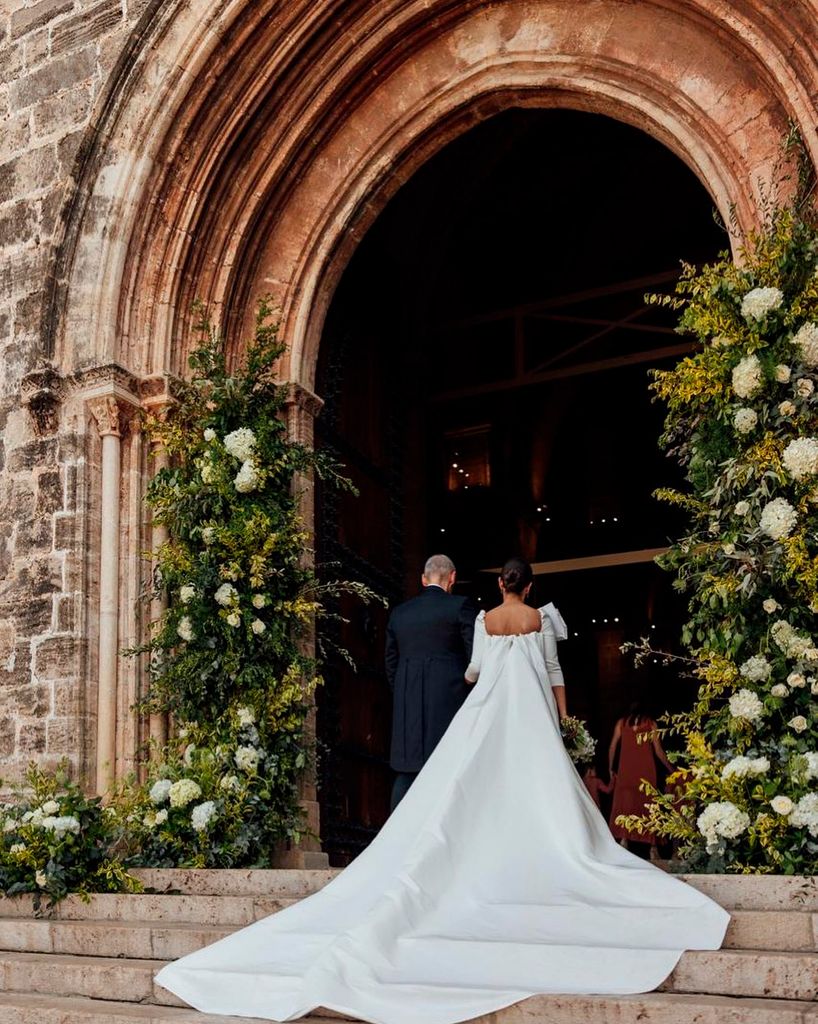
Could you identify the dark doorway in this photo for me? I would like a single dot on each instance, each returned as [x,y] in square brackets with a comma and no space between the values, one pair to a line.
[485,370]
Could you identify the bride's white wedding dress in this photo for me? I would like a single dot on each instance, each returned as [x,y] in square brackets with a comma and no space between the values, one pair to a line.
[495,879]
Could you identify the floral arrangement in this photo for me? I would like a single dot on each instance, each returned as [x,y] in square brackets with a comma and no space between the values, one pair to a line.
[743,420]
[55,840]
[579,743]
[216,798]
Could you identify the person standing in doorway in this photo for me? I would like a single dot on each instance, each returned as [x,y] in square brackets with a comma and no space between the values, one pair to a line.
[428,645]
[636,738]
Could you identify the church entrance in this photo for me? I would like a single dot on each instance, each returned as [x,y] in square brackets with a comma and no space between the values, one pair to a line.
[485,370]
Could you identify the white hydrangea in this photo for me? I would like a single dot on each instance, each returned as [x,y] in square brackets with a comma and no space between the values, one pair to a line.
[800,457]
[796,680]
[241,443]
[10,824]
[783,373]
[778,518]
[185,628]
[234,619]
[209,534]
[246,480]
[747,377]
[805,814]
[741,508]
[258,627]
[722,820]
[804,387]
[160,817]
[745,420]
[183,792]
[779,690]
[782,804]
[758,302]
[770,605]
[739,767]
[208,471]
[798,724]
[757,669]
[247,758]
[230,783]
[61,826]
[187,593]
[226,595]
[806,338]
[259,600]
[812,764]
[202,815]
[746,705]
[160,790]
[51,807]
[210,434]
[787,408]
[246,716]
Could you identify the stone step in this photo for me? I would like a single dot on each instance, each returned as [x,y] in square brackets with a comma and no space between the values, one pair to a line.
[759,892]
[205,910]
[789,976]
[170,935]
[745,972]
[653,1008]
[288,883]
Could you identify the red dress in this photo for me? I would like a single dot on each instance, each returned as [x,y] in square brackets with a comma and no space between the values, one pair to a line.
[636,763]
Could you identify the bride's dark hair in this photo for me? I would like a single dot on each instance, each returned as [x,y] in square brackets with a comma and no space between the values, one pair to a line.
[516,574]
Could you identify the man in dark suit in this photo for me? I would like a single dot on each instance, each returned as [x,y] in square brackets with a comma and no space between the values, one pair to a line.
[428,646]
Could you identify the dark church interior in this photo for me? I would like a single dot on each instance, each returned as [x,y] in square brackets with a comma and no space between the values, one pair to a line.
[485,367]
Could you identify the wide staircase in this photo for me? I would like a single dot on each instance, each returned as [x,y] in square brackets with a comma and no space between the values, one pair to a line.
[93,962]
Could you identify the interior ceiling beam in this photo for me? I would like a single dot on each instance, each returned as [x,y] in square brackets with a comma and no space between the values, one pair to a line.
[591,562]
[627,325]
[617,288]
[578,370]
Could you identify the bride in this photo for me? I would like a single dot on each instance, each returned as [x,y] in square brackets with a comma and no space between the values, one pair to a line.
[495,879]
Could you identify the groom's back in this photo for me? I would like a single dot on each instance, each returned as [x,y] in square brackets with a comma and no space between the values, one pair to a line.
[432,624]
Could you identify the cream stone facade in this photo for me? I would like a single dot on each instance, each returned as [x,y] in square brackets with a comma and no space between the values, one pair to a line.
[158,152]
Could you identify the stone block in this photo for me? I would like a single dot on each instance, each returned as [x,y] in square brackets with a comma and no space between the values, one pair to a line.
[53,78]
[32,615]
[31,738]
[66,697]
[32,700]
[66,616]
[11,61]
[57,657]
[49,492]
[270,882]
[33,454]
[86,26]
[63,114]
[18,224]
[15,668]
[754,973]
[32,171]
[7,738]
[15,130]
[36,49]
[27,19]
[62,736]
[64,530]
[94,977]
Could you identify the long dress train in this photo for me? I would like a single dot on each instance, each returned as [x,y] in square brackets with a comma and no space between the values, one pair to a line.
[495,879]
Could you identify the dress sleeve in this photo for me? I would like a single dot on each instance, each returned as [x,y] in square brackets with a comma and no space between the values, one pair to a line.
[473,670]
[549,651]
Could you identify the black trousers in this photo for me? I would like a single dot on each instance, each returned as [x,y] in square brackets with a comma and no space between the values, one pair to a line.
[400,787]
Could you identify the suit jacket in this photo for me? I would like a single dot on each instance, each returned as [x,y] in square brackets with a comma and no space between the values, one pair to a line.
[428,646]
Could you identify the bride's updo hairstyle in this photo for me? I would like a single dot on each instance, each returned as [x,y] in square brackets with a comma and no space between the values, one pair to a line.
[516,574]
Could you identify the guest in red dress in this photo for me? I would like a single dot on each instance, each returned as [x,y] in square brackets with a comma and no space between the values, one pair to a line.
[595,785]
[636,737]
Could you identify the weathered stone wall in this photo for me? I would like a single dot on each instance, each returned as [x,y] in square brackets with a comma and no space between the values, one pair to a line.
[56,57]
[153,151]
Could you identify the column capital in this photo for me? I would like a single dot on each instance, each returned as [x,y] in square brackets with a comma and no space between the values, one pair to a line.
[302,398]
[42,392]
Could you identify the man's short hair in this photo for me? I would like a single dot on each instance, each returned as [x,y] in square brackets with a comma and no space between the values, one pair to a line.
[437,566]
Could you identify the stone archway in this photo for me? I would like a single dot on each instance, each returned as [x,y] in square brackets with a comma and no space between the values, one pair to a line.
[248,152]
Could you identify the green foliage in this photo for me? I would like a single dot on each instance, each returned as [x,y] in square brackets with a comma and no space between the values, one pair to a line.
[233,807]
[54,840]
[749,561]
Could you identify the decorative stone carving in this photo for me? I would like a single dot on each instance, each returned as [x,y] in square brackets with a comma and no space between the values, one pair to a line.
[42,394]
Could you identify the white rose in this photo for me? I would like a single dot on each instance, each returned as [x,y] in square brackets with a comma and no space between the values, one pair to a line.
[160,817]
[742,508]
[187,593]
[259,600]
[813,686]
[258,626]
[806,338]
[778,518]
[771,605]
[51,807]
[40,879]
[800,457]
[745,420]
[185,628]
[804,387]
[782,373]
[747,377]
[745,704]
[729,548]
[234,619]
[226,595]
[246,480]
[758,302]
[779,690]
[796,680]
[799,723]
[210,434]
[782,805]
[787,409]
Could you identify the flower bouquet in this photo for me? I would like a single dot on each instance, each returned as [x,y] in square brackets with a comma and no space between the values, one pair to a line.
[579,743]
